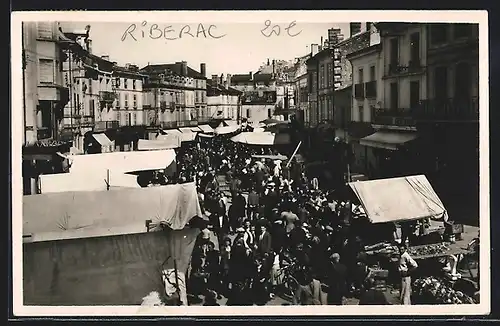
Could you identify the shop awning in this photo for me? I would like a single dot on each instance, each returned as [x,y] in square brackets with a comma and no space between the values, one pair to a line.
[186,129]
[205,135]
[387,139]
[168,142]
[261,138]
[195,129]
[223,130]
[399,199]
[102,139]
[206,129]
[172,132]
[121,162]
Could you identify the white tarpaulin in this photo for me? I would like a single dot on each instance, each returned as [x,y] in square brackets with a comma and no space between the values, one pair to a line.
[122,161]
[169,280]
[97,181]
[168,142]
[206,129]
[261,138]
[97,212]
[222,130]
[399,199]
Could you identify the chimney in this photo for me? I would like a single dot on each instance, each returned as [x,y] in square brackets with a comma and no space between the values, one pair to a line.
[274,68]
[203,69]
[221,79]
[250,74]
[226,86]
[228,79]
[184,69]
[314,49]
[355,28]
[89,46]
[321,44]
[215,80]
[268,61]
[105,57]
[127,65]
[368,26]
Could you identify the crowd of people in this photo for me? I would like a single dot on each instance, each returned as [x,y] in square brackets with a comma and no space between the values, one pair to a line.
[277,231]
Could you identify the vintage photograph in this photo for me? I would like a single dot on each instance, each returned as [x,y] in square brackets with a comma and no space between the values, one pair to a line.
[272,162]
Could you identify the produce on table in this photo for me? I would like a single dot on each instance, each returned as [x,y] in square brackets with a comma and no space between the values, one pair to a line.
[431,290]
[429,250]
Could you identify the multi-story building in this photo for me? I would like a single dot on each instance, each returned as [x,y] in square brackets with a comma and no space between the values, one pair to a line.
[403,86]
[223,101]
[175,95]
[367,66]
[448,117]
[44,97]
[45,93]
[258,99]
[301,89]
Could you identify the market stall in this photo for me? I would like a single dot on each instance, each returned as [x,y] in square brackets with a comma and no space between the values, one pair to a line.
[406,211]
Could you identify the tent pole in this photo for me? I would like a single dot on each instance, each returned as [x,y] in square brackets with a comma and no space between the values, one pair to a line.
[177,289]
[294,153]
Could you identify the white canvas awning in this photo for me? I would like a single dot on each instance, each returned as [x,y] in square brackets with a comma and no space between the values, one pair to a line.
[399,199]
[206,129]
[102,139]
[387,139]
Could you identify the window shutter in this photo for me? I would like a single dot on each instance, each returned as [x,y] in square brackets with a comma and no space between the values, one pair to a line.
[46,71]
[45,30]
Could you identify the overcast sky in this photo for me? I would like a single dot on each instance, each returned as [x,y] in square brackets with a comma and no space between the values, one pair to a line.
[241,50]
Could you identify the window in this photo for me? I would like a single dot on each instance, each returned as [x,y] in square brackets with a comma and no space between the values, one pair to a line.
[372,73]
[90,85]
[462,30]
[394,95]
[414,48]
[463,80]
[330,74]
[438,33]
[361,111]
[414,94]
[360,76]
[127,119]
[118,117]
[118,100]
[118,82]
[46,71]
[133,84]
[92,108]
[107,80]
[322,76]
[125,83]
[45,30]
[126,100]
[441,82]
[394,50]
[133,119]
[269,113]
[248,113]
[135,101]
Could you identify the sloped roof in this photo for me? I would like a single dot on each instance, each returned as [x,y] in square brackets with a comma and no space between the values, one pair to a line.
[175,68]
[241,78]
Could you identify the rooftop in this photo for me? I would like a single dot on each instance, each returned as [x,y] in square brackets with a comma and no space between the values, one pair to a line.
[175,68]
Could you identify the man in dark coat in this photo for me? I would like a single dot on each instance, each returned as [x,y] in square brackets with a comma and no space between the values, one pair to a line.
[239,202]
[337,281]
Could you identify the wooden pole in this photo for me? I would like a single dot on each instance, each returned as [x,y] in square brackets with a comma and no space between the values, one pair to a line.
[294,153]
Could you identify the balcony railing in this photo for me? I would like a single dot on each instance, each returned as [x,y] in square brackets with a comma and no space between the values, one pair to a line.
[85,121]
[105,125]
[448,109]
[371,89]
[413,67]
[107,97]
[398,117]
[359,90]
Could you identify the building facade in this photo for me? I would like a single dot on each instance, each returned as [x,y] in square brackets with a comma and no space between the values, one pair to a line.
[448,118]
[175,95]
[258,98]
[223,101]
[368,92]
[301,89]
[44,97]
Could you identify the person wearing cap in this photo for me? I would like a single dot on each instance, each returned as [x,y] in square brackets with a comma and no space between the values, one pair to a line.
[225,258]
[248,235]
